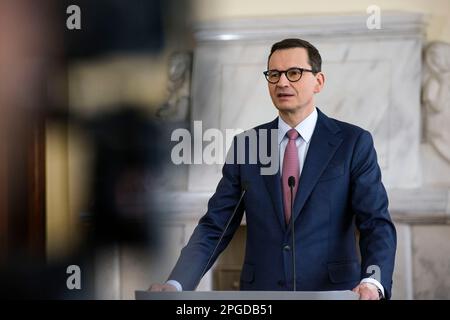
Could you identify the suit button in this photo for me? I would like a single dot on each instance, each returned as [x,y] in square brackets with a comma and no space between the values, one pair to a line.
[287,248]
[281,283]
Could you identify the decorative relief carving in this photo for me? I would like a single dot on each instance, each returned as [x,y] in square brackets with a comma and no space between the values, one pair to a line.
[436,97]
[177,106]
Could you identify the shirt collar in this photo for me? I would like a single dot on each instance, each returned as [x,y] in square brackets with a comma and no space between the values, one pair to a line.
[304,128]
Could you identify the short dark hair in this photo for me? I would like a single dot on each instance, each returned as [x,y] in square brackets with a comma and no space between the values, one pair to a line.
[314,58]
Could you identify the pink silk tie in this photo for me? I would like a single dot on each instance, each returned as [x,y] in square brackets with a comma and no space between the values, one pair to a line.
[291,167]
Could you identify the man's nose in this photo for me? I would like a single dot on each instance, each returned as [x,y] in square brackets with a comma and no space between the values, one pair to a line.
[283,80]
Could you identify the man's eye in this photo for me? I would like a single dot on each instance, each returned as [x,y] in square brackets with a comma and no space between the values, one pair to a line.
[274,74]
[294,73]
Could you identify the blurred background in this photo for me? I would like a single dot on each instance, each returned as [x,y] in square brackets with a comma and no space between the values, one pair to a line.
[87,114]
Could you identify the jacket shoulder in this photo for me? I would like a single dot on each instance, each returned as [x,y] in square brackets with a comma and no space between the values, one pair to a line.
[348,129]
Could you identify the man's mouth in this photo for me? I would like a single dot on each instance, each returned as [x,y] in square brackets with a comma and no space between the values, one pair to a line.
[284,95]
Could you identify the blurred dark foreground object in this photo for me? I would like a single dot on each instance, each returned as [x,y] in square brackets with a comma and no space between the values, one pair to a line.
[129,153]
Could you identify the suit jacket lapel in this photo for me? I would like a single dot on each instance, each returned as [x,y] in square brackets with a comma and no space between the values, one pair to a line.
[324,144]
[273,182]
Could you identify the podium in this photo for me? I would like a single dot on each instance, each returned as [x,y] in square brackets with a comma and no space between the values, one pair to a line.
[247,295]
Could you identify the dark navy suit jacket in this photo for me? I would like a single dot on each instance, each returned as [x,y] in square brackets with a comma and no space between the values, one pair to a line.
[340,192]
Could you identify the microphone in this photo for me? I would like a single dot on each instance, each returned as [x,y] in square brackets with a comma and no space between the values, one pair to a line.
[291,184]
[245,185]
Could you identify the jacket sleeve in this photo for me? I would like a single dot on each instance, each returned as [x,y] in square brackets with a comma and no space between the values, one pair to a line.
[370,204]
[195,255]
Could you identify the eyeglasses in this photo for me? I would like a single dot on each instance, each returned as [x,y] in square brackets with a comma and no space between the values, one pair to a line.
[292,74]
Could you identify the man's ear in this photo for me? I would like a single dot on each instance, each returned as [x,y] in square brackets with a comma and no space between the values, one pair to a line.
[320,82]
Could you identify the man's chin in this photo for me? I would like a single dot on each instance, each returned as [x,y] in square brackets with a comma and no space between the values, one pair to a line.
[286,108]
[290,108]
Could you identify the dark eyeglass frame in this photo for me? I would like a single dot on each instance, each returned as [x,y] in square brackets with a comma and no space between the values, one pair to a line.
[266,74]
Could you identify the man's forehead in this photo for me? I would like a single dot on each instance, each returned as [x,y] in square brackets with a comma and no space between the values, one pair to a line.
[291,55]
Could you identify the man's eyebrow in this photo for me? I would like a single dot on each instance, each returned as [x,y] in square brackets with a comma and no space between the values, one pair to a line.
[295,67]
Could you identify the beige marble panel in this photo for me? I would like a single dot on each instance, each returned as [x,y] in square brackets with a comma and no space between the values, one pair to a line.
[431,261]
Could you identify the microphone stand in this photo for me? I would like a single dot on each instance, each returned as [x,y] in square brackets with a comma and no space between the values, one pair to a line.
[291,183]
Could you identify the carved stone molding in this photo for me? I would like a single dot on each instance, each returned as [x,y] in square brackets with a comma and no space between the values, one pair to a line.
[394,25]
[411,206]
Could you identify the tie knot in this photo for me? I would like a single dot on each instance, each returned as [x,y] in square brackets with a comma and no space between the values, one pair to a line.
[292,134]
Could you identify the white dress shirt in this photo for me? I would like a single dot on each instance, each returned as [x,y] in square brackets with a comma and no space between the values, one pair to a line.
[305,130]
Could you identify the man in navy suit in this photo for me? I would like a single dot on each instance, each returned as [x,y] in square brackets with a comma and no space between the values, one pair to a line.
[337,192]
